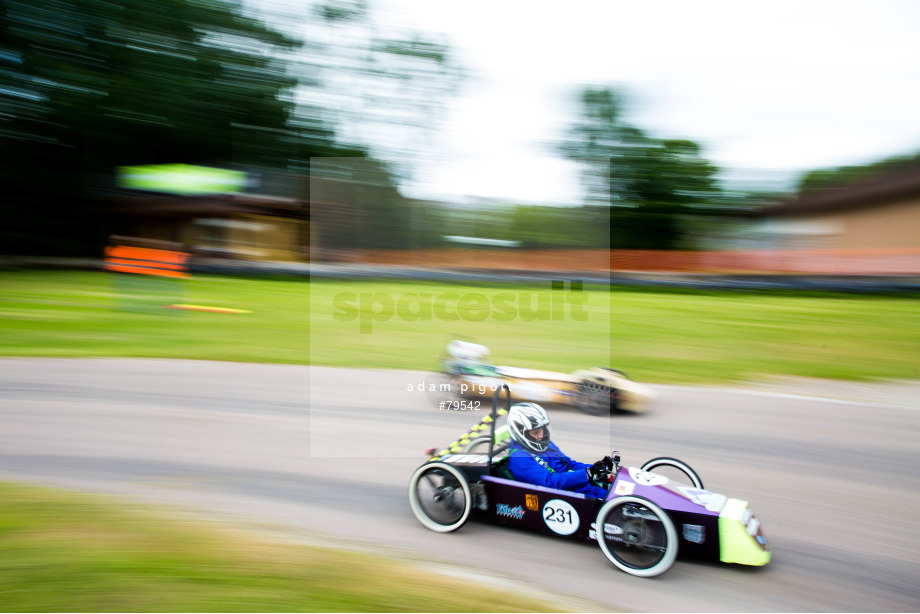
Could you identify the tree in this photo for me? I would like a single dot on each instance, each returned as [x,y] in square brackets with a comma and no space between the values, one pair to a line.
[384,85]
[649,184]
[382,89]
[91,85]
[820,179]
[105,83]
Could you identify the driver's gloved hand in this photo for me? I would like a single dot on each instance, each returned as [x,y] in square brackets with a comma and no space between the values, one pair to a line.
[608,463]
[598,474]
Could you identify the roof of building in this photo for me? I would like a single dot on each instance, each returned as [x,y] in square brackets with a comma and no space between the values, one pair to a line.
[874,191]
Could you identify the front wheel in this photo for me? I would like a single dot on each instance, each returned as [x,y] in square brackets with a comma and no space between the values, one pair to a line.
[680,466]
[440,497]
[637,536]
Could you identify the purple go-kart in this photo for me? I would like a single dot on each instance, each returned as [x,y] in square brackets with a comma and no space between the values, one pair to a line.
[646,519]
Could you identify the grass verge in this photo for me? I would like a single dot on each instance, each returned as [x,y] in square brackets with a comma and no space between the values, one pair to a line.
[676,337]
[61,551]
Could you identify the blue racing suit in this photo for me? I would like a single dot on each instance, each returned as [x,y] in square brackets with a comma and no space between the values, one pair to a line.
[552,469]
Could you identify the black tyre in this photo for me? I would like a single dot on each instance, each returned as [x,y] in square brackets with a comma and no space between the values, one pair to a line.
[617,371]
[637,536]
[596,399]
[662,463]
[440,497]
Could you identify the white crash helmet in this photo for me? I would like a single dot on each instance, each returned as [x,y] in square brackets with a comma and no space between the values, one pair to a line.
[524,417]
[464,350]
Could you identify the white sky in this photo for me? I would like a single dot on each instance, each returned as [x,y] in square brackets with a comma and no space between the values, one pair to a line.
[768,88]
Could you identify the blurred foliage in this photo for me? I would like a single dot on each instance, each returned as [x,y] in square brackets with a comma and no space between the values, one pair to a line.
[94,84]
[383,86]
[367,211]
[821,179]
[648,183]
[526,225]
[91,85]
[548,227]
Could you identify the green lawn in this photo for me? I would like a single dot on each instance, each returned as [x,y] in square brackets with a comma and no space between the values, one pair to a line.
[679,337]
[66,552]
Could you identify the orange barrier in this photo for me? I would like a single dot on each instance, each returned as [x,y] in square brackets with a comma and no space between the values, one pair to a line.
[597,260]
[146,261]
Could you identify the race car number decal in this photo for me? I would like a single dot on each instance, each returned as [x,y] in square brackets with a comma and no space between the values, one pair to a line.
[647,478]
[561,517]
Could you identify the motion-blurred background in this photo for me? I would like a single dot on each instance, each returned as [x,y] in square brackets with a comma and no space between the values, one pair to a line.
[714,139]
[352,138]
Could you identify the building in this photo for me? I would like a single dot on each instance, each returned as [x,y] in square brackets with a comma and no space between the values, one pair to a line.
[879,212]
[242,214]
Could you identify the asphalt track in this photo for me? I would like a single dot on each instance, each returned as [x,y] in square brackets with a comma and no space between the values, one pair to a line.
[326,454]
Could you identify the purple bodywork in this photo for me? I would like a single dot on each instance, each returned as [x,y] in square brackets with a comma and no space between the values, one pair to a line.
[695,511]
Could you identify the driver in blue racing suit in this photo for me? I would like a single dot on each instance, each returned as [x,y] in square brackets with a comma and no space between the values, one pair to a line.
[537,460]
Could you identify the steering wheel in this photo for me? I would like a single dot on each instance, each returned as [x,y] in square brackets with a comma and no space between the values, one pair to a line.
[611,465]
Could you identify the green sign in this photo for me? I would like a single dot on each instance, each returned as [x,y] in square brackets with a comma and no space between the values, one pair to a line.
[183,179]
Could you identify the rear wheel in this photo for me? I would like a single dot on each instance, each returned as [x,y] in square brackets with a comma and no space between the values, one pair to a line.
[479,445]
[667,466]
[440,497]
[637,536]
[596,399]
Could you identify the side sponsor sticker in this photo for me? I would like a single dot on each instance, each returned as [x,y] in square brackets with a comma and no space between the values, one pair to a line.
[624,488]
[532,502]
[466,459]
[695,533]
[711,501]
[609,530]
[516,512]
